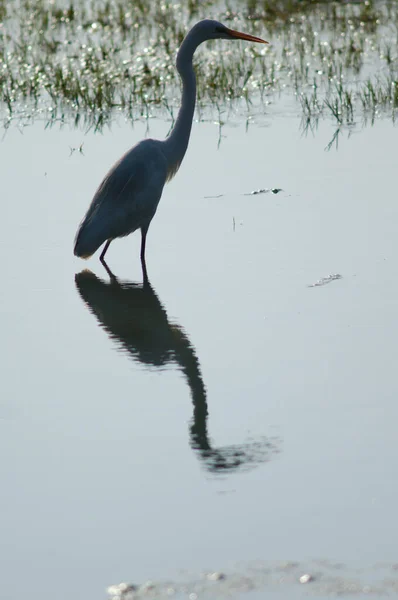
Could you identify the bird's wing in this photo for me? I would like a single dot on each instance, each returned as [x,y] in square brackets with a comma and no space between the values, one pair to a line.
[129,194]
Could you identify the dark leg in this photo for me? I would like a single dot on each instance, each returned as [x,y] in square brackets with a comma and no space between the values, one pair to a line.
[112,277]
[144,231]
[102,257]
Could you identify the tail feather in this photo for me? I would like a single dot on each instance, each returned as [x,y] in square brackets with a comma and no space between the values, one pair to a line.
[88,240]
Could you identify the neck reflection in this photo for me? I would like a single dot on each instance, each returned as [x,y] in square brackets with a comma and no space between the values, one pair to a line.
[133,316]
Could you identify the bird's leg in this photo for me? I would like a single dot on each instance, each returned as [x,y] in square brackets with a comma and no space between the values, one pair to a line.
[144,231]
[112,277]
[102,257]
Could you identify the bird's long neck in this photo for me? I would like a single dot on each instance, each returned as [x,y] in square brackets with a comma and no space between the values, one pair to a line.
[176,144]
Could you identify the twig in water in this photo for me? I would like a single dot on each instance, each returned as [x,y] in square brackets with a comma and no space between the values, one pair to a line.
[326,280]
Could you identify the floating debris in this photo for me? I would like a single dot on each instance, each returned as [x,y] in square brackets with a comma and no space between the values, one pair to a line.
[78,149]
[121,591]
[326,280]
[255,192]
[216,576]
[234,224]
[218,196]
[264,191]
[306,578]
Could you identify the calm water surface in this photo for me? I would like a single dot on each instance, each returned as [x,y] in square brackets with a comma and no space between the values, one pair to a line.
[226,413]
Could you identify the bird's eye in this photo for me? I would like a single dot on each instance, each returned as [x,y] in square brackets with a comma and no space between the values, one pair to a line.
[220,30]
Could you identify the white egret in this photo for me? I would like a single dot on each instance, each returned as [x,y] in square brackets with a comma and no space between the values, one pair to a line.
[128,197]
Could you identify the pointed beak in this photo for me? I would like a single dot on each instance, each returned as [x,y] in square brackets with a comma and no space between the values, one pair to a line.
[245,36]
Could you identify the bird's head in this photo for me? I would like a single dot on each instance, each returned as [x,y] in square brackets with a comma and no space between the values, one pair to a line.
[210,29]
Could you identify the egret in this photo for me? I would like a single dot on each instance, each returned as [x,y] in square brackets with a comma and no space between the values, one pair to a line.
[129,195]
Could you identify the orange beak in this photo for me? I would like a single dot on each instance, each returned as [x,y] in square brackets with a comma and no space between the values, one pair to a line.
[245,36]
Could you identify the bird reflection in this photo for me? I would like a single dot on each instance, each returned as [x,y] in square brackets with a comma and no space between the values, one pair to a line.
[134,317]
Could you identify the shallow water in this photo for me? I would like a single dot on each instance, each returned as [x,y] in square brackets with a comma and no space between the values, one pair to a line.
[230,412]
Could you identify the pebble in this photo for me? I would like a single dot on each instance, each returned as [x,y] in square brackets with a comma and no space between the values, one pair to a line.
[306,578]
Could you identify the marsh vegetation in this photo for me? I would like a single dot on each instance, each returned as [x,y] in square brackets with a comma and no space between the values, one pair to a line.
[84,61]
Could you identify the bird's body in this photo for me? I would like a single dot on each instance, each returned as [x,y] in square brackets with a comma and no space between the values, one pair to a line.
[129,195]
[139,175]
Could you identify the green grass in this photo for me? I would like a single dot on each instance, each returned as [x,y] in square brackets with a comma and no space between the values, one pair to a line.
[86,61]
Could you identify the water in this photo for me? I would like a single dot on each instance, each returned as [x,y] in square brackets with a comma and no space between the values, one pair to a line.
[227,414]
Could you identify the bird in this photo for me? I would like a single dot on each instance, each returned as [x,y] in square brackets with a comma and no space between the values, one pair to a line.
[128,197]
